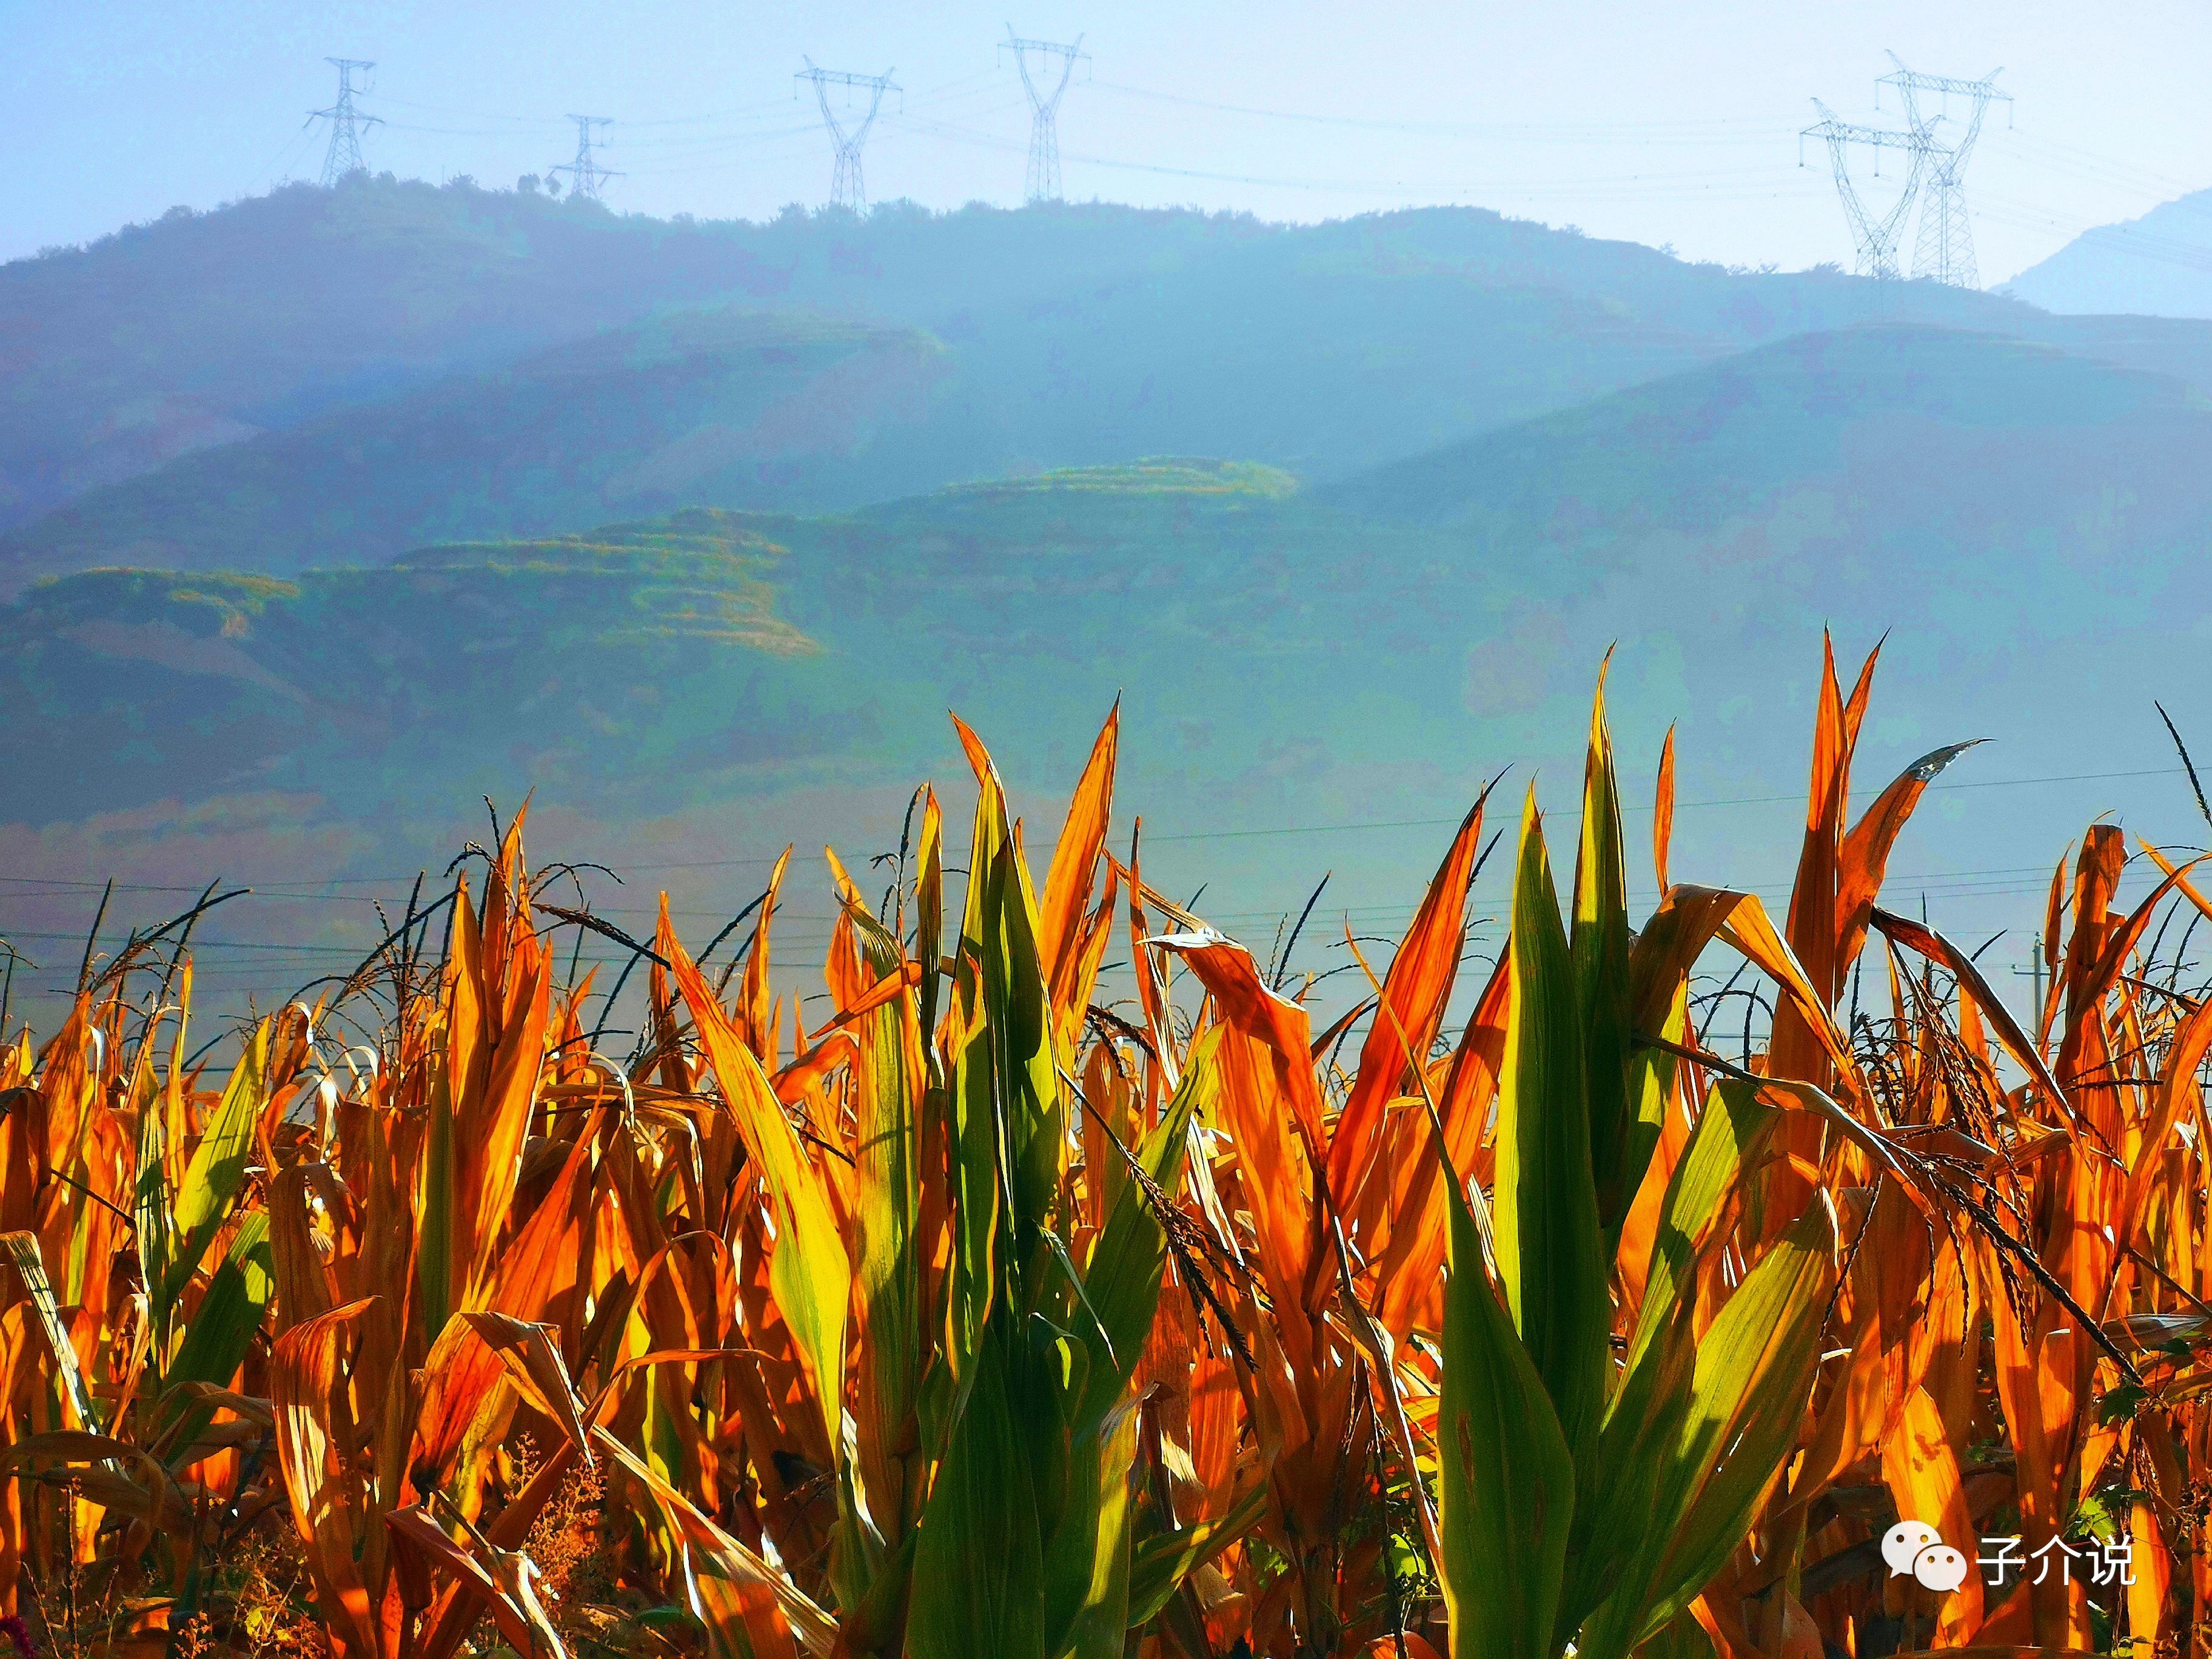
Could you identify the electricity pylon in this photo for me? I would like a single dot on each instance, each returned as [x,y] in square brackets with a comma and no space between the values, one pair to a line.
[584,173]
[342,159]
[846,188]
[1043,183]
[1875,235]
[1945,246]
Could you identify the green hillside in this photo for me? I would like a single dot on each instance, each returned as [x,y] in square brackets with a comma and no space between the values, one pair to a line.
[633,664]
[1984,493]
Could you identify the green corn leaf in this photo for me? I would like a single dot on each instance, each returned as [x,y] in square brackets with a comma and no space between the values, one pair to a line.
[1161,1563]
[217,1173]
[1122,1280]
[1086,1567]
[1680,1638]
[980,1181]
[1505,1480]
[1730,1133]
[1600,952]
[1639,1444]
[151,1201]
[223,1327]
[1036,1109]
[887,1316]
[1754,1373]
[436,1203]
[1550,1252]
[1651,1073]
[976,1202]
[979,1565]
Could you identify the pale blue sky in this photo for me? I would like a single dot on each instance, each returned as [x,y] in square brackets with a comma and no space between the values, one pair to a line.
[1670,124]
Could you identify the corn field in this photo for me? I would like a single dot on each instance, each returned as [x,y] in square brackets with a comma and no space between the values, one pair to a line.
[981,1319]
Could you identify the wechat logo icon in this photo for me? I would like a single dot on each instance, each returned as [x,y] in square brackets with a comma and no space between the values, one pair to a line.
[1916,1547]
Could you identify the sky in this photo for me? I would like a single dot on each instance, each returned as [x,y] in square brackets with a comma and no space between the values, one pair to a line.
[1676,126]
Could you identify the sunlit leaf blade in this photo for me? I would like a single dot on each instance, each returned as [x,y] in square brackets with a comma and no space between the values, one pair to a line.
[24,1255]
[810,1270]
[1598,947]
[1163,1561]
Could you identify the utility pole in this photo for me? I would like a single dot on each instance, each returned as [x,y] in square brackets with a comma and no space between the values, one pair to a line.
[342,159]
[846,187]
[2035,971]
[1043,182]
[1875,236]
[584,173]
[1945,248]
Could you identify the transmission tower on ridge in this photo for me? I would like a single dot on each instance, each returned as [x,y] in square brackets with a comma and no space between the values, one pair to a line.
[585,173]
[1044,184]
[342,159]
[1945,246]
[1874,235]
[846,187]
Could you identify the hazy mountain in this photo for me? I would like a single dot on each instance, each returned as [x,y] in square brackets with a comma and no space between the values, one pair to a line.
[2159,265]
[1076,335]
[1473,456]
[718,405]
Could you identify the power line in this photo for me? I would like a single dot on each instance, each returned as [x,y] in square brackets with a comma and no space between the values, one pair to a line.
[1151,838]
[1646,131]
[342,160]
[1626,186]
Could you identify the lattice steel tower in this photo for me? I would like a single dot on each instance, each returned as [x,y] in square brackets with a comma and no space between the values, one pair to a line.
[585,173]
[846,188]
[1945,246]
[1875,235]
[343,156]
[1043,183]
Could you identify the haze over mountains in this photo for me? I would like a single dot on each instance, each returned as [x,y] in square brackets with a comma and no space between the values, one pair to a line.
[330,512]
[347,373]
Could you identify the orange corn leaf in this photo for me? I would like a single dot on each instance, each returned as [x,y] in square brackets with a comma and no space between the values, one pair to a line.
[1413,995]
[1075,859]
[1865,854]
[1922,1471]
[811,1272]
[307,1390]
[751,1610]
[514,1608]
